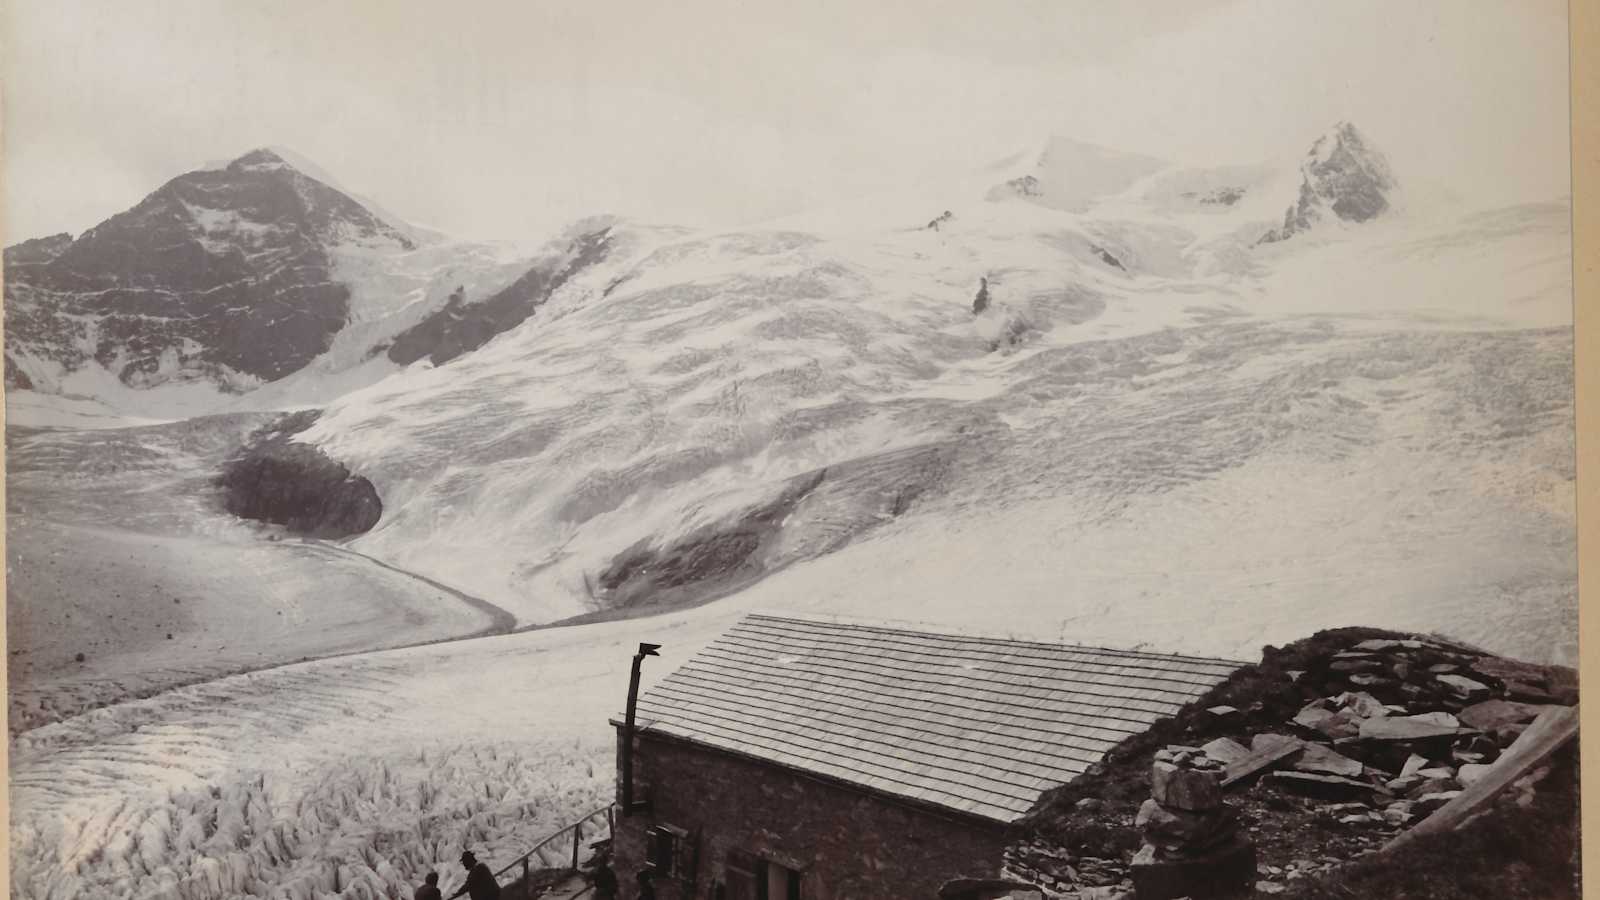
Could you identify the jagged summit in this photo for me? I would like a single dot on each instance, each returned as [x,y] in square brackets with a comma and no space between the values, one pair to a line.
[1342,175]
[259,159]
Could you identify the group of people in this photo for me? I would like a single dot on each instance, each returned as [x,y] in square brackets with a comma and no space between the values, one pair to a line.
[482,886]
[480,882]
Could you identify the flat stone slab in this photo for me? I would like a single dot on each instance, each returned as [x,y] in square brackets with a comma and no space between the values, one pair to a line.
[1225,750]
[1323,761]
[1408,728]
[1462,686]
[1376,644]
[1264,754]
[1433,800]
[1322,787]
[1413,765]
[1343,723]
[1494,715]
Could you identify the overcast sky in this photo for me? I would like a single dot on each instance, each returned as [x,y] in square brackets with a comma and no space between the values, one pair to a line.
[504,119]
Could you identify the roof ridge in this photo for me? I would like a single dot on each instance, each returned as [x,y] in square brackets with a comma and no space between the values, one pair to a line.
[947,631]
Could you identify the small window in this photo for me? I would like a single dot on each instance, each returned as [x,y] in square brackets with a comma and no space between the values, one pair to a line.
[669,852]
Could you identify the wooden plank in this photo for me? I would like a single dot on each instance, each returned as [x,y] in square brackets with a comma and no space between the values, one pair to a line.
[1552,729]
[1261,759]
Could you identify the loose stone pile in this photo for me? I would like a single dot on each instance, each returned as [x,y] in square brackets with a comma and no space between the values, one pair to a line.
[1192,843]
[1363,743]
[1401,728]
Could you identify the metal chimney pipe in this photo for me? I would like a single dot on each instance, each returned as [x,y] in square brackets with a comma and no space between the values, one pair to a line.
[628,806]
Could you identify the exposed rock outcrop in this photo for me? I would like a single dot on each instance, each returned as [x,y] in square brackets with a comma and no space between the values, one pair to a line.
[222,274]
[277,480]
[1223,196]
[717,554]
[1106,257]
[16,379]
[1328,749]
[1343,176]
[1024,186]
[980,301]
[464,325]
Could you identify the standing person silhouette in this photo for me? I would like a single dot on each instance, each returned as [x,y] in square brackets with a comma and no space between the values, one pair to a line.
[429,889]
[480,881]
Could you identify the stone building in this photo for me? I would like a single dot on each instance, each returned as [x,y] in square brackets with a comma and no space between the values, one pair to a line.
[823,759]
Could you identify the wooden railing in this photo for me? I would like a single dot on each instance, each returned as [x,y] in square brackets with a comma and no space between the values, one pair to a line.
[590,823]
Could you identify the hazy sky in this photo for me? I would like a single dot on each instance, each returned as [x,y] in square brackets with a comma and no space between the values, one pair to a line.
[503,119]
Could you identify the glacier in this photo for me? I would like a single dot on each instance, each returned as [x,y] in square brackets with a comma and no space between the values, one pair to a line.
[1160,433]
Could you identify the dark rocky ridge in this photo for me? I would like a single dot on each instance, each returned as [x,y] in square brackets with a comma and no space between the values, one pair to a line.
[1342,174]
[1223,196]
[646,575]
[36,252]
[273,479]
[463,326]
[805,516]
[218,271]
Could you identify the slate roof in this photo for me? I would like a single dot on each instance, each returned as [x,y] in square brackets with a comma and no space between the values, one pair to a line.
[979,725]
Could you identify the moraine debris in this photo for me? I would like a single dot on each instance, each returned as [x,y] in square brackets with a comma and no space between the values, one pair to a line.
[1322,757]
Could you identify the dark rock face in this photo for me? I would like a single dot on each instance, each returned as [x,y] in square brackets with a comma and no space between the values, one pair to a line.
[1223,196]
[271,479]
[463,325]
[716,554]
[217,272]
[1344,175]
[1025,186]
[980,301]
[1106,257]
[16,379]
[36,252]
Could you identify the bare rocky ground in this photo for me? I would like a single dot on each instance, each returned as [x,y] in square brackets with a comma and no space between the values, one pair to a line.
[1329,748]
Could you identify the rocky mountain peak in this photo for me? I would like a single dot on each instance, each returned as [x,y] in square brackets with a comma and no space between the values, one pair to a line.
[222,274]
[1342,175]
[259,160]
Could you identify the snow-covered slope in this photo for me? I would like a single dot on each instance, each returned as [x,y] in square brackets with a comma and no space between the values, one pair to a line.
[1157,433]
[698,411]
[1070,175]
